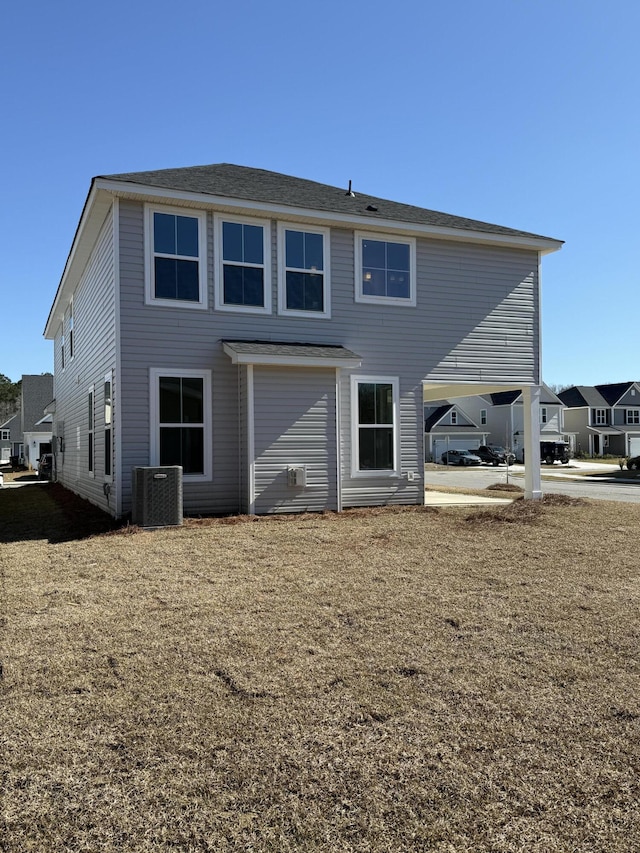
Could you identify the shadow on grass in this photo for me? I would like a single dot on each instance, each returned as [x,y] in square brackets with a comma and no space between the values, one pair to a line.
[49,511]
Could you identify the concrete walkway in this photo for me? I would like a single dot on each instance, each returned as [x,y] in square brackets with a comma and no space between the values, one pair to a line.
[451,499]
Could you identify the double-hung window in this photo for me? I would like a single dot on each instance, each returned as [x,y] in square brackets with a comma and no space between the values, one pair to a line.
[108,418]
[243,252]
[181,421]
[385,269]
[543,414]
[90,430]
[175,243]
[303,271]
[5,435]
[375,406]
[633,416]
[600,417]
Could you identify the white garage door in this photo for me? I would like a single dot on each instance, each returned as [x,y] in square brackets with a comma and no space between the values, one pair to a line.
[441,444]
[634,446]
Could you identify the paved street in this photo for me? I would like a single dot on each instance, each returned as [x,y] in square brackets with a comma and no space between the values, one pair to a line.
[555,481]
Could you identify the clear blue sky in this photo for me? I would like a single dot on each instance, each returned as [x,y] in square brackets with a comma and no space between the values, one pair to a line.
[524,113]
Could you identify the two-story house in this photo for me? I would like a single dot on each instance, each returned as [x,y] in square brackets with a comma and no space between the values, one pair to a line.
[27,434]
[605,418]
[242,323]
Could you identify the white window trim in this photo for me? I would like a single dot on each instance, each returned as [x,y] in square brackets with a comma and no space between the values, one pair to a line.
[108,478]
[63,361]
[544,415]
[385,300]
[149,254]
[154,418]
[218,290]
[454,417]
[283,269]
[632,417]
[483,417]
[5,435]
[72,348]
[355,424]
[91,431]
[597,413]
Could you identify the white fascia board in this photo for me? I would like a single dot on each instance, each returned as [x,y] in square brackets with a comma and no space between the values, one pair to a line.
[288,360]
[93,215]
[540,244]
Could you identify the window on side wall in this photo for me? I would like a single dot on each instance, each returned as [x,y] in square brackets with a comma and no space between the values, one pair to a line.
[374,426]
[483,417]
[181,421]
[243,268]
[175,242]
[108,418]
[543,415]
[385,270]
[90,430]
[303,271]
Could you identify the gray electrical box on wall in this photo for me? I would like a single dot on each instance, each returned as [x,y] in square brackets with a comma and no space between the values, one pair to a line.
[297,476]
[157,496]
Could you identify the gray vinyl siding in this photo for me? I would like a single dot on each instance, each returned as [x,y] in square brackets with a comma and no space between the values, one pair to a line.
[475,320]
[295,425]
[94,355]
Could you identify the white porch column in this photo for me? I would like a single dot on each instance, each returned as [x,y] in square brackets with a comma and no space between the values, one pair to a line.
[531,411]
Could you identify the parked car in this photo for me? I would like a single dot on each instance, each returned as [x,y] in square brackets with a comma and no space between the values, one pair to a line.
[45,466]
[633,464]
[460,457]
[494,455]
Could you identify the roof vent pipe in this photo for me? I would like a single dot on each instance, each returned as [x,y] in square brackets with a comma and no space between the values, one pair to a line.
[350,192]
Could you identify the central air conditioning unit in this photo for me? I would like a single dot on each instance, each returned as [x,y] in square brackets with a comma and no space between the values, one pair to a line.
[157,496]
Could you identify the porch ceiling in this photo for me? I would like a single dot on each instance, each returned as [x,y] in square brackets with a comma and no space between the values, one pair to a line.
[447,391]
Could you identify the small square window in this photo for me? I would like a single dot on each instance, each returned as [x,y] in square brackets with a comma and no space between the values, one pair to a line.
[385,270]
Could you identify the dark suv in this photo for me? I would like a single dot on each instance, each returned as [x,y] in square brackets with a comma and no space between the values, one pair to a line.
[494,455]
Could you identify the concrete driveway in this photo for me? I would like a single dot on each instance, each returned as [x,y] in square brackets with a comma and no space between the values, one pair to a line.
[556,479]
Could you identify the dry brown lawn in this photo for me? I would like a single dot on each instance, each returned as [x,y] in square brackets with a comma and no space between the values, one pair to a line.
[383,680]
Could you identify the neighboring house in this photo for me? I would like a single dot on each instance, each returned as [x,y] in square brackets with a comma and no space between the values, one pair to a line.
[605,418]
[243,323]
[11,439]
[27,435]
[448,427]
[502,414]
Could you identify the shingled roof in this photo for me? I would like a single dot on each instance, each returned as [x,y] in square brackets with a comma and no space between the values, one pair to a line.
[226,180]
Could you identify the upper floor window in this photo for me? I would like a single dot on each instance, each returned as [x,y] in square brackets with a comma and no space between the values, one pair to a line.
[175,257]
[633,416]
[483,417]
[71,329]
[543,414]
[374,425]
[62,346]
[303,281]
[600,417]
[385,270]
[454,417]
[243,280]
[5,435]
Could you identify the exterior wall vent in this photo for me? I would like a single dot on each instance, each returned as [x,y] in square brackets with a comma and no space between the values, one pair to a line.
[297,476]
[157,496]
